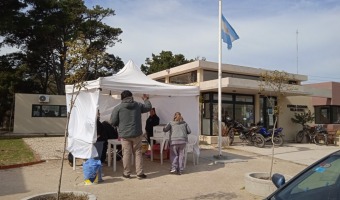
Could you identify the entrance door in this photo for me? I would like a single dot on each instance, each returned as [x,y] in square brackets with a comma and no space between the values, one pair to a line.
[267,117]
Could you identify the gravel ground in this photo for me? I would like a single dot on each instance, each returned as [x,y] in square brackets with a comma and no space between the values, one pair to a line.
[47,148]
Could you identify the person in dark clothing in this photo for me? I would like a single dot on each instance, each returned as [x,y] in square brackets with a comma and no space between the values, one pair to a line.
[111,133]
[127,116]
[152,121]
[104,132]
[101,136]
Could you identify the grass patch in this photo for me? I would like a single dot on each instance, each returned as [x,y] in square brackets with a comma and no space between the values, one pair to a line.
[15,151]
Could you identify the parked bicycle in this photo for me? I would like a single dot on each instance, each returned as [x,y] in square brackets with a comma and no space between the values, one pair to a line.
[314,134]
[321,134]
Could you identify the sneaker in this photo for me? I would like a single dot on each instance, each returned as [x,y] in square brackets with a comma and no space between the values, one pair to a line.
[141,176]
[126,176]
[180,172]
[173,171]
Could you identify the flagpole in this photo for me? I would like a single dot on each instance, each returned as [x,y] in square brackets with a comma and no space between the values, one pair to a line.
[219,77]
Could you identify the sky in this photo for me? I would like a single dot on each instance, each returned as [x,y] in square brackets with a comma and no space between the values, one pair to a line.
[267,31]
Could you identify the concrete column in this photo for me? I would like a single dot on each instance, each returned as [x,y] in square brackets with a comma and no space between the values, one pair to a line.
[257,108]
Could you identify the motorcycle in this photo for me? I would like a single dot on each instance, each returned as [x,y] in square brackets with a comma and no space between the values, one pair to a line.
[248,135]
[278,135]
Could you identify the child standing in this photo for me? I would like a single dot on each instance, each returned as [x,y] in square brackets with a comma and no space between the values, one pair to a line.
[179,131]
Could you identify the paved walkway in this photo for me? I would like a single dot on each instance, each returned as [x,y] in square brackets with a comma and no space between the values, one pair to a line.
[208,180]
[304,154]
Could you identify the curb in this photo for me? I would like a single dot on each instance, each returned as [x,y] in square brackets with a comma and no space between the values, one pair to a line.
[21,164]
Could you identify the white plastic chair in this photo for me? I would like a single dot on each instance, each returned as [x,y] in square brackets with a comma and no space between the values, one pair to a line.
[192,147]
[163,139]
[163,146]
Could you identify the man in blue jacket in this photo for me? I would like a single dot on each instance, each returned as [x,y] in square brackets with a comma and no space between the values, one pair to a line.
[128,117]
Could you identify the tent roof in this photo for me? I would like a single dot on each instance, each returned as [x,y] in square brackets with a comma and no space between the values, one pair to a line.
[133,79]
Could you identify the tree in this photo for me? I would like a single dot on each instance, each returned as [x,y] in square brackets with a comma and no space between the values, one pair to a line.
[88,63]
[165,60]
[303,118]
[13,79]
[275,83]
[9,13]
[43,28]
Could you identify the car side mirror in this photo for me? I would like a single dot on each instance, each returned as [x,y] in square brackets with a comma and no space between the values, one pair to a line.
[278,180]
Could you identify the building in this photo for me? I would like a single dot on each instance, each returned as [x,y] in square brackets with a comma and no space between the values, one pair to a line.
[39,114]
[241,97]
[241,100]
[327,110]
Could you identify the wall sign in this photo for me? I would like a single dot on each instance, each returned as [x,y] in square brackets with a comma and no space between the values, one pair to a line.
[297,107]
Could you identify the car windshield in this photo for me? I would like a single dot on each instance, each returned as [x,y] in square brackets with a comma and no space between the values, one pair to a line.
[319,182]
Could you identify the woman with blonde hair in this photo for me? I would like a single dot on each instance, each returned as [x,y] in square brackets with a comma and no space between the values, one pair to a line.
[179,131]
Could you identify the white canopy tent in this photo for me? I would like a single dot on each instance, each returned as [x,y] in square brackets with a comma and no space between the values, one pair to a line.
[104,94]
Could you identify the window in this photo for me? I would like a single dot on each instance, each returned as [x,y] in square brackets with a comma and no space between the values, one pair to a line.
[162,80]
[244,98]
[327,114]
[244,114]
[212,75]
[186,78]
[234,106]
[335,114]
[209,75]
[225,97]
[322,114]
[49,111]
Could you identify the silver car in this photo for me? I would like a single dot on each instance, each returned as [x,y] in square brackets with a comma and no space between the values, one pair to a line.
[318,181]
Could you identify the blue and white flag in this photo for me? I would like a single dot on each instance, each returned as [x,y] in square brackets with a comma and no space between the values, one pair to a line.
[228,33]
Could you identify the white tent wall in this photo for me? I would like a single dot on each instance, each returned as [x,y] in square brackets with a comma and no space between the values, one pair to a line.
[82,129]
[106,105]
[165,109]
[187,106]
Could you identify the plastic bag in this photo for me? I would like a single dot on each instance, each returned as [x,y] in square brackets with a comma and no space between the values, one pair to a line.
[91,168]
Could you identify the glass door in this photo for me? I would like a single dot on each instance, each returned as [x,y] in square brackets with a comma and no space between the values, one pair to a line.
[267,117]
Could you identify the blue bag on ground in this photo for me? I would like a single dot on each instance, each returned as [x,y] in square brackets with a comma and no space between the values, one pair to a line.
[91,168]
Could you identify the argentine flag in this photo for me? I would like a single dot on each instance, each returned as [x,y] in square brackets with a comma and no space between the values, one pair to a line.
[228,33]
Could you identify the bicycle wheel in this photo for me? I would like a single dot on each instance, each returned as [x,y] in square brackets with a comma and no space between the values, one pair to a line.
[316,139]
[299,136]
[259,140]
[320,138]
[278,140]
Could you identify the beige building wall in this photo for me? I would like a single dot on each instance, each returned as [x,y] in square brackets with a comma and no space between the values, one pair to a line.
[289,128]
[24,123]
